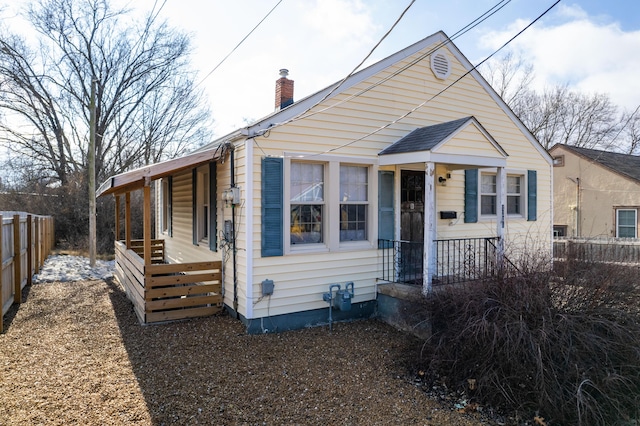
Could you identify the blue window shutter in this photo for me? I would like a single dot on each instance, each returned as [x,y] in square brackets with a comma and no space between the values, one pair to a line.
[170,205]
[532,195]
[471,195]
[272,207]
[213,207]
[386,228]
[194,206]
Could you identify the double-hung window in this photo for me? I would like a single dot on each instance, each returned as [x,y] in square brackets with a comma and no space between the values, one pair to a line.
[165,205]
[203,204]
[514,194]
[627,223]
[354,197]
[307,203]
[489,194]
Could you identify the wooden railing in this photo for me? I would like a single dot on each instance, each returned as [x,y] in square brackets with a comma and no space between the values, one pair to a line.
[157,249]
[166,292]
[25,242]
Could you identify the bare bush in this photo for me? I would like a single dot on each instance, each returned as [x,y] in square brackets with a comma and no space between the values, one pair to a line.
[542,343]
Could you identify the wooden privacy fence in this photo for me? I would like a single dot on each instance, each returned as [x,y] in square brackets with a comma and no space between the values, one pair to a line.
[26,241]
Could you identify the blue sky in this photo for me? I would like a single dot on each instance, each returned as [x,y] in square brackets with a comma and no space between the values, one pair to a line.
[592,45]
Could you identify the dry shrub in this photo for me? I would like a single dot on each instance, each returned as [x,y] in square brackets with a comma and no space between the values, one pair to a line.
[542,343]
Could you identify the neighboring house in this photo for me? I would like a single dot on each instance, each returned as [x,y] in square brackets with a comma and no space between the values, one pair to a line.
[412,170]
[596,193]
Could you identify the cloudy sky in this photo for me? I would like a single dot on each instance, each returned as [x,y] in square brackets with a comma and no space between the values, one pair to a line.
[592,45]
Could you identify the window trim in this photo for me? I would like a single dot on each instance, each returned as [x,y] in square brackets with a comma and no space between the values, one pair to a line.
[366,203]
[202,201]
[164,210]
[558,161]
[524,192]
[322,203]
[331,227]
[626,209]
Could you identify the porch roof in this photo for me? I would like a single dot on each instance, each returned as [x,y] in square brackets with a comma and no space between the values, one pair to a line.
[135,179]
[427,144]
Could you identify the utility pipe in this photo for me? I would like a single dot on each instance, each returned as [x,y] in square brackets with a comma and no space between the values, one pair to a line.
[233,236]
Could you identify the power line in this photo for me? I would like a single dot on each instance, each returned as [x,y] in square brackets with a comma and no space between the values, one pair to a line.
[368,54]
[299,116]
[305,114]
[238,45]
[408,113]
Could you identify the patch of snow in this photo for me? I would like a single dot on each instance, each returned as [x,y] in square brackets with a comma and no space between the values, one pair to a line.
[73,268]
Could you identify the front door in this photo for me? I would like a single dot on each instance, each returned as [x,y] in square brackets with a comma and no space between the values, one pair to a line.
[411,225]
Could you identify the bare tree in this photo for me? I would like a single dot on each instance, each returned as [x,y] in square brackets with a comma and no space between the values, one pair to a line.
[557,114]
[147,108]
[510,76]
[632,131]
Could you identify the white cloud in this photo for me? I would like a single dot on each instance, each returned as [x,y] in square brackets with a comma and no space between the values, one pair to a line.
[579,51]
[346,21]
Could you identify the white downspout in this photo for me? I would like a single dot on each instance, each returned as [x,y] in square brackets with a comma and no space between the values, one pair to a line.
[248,200]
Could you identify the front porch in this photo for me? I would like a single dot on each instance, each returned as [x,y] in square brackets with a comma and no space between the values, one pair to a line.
[163,291]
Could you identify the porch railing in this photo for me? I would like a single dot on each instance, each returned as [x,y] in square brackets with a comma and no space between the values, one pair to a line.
[165,292]
[457,260]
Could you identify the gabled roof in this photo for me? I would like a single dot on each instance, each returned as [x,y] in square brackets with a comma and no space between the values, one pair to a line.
[624,164]
[132,179]
[426,138]
[430,144]
[440,39]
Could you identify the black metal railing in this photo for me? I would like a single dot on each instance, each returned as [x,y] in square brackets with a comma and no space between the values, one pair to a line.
[457,260]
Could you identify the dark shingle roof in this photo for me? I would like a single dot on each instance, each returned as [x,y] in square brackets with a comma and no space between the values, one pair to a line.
[425,138]
[625,164]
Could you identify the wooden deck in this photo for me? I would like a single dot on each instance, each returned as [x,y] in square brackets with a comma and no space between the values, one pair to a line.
[167,292]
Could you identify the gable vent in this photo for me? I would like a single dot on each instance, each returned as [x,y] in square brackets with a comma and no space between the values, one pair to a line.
[440,65]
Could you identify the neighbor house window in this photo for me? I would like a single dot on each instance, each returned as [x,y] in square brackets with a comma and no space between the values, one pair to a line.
[627,220]
[353,202]
[307,203]
[558,161]
[560,230]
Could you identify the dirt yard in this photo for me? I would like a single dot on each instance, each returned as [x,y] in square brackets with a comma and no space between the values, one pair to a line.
[74,353]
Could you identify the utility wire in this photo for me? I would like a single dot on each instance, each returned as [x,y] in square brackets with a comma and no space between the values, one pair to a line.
[238,45]
[368,54]
[446,88]
[305,114]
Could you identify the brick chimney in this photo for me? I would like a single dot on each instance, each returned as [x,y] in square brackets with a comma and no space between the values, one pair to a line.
[284,90]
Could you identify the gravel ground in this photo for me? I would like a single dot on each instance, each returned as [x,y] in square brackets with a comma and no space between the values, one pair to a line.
[74,353]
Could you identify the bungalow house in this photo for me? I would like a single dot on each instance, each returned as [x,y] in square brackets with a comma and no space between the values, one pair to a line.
[596,193]
[411,172]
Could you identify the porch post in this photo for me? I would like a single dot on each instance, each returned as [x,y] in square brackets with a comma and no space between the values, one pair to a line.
[127,220]
[501,210]
[429,254]
[147,222]
[117,230]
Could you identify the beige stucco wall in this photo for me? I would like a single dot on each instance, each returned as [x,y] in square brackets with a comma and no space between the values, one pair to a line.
[587,194]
